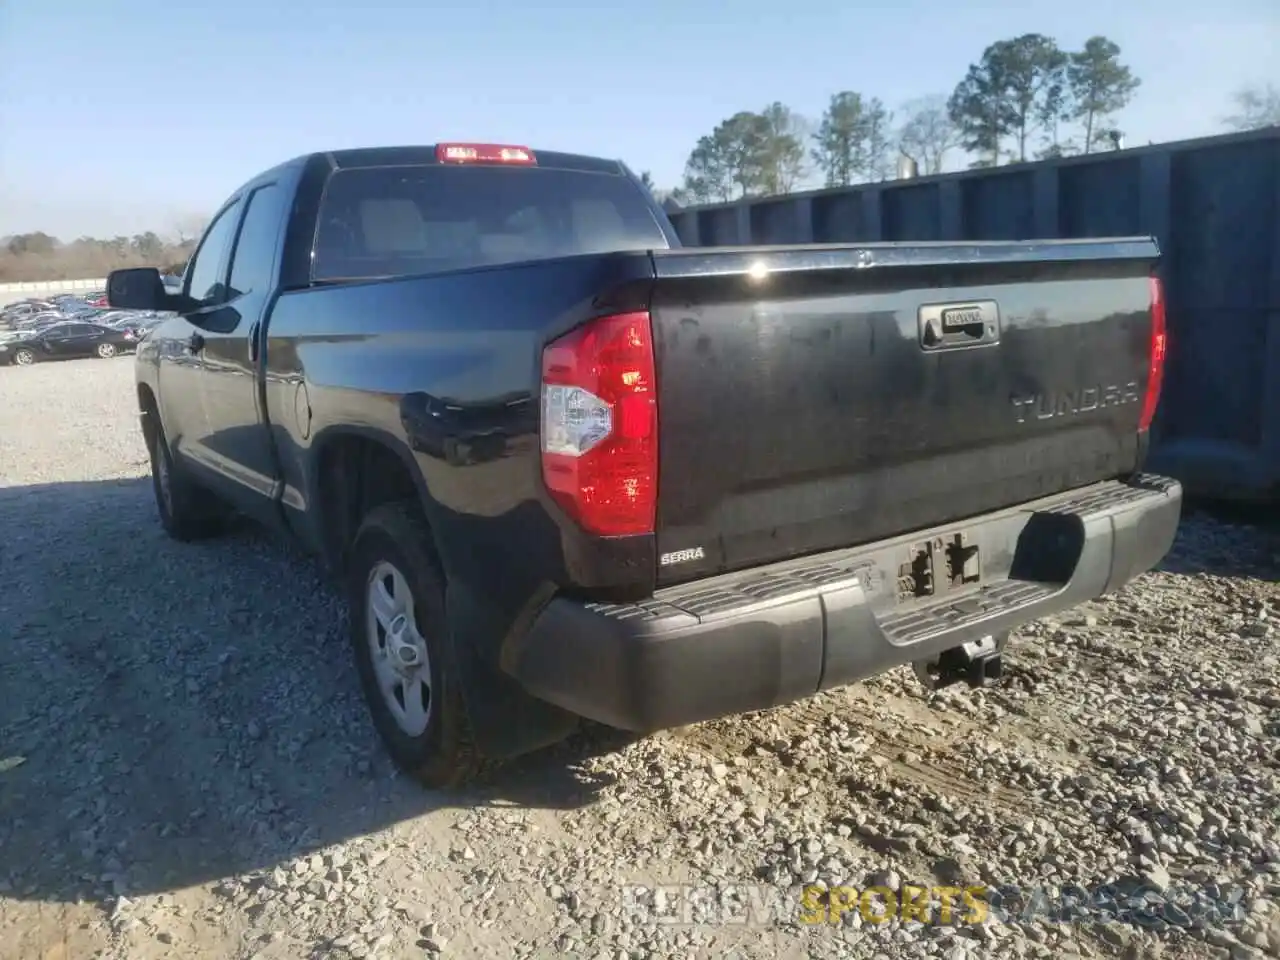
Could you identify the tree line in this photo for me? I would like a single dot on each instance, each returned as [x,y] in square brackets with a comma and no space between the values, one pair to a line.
[1025,98]
[39,256]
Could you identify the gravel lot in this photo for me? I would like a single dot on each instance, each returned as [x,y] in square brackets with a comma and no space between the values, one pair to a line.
[186,769]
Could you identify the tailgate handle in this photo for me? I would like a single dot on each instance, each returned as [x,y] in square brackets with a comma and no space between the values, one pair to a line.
[956,326]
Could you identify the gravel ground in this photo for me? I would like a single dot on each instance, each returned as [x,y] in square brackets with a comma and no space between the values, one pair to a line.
[186,769]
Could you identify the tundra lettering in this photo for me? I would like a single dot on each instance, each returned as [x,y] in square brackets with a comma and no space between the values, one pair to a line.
[1071,402]
[561,467]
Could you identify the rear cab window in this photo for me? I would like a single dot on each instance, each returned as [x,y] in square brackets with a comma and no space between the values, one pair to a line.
[377,222]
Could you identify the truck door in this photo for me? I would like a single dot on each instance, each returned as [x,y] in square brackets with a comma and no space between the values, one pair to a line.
[236,444]
[181,351]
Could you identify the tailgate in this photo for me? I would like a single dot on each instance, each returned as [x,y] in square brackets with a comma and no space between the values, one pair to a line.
[818,397]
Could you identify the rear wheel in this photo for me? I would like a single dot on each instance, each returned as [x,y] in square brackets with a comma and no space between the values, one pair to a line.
[187,512]
[403,653]
[106,350]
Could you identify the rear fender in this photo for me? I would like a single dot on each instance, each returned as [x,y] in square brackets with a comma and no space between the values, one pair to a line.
[505,720]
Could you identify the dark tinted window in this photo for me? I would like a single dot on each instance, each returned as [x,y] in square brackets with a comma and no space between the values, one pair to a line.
[205,271]
[395,221]
[254,257]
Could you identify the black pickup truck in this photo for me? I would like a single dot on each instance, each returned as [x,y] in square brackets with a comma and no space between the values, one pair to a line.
[565,468]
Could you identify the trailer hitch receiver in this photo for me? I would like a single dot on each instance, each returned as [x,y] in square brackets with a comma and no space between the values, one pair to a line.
[977,663]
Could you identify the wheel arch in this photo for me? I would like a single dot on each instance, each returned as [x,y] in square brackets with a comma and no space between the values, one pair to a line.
[353,468]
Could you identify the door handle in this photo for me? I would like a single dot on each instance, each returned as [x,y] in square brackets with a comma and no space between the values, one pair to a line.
[196,343]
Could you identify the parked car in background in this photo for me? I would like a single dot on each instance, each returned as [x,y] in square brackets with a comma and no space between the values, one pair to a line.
[69,303]
[121,321]
[39,321]
[24,309]
[66,341]
[139,323]
[34,315]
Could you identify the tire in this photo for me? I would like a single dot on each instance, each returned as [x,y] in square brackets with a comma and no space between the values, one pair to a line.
[24,357]
[434,745]
[187,512]
[106,350]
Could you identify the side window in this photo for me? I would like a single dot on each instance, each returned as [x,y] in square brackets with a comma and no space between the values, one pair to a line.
[252,264]
[206,269]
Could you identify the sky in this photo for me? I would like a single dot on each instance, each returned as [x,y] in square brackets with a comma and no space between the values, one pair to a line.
[139,115]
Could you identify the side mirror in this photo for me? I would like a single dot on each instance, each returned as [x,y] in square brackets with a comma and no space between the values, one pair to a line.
[138,288]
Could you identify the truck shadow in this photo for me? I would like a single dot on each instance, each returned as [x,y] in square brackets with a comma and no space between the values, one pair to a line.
[174,714]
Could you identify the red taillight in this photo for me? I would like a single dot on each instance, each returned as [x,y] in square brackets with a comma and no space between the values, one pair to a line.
[484,153]
[1155,367]
[600,425]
